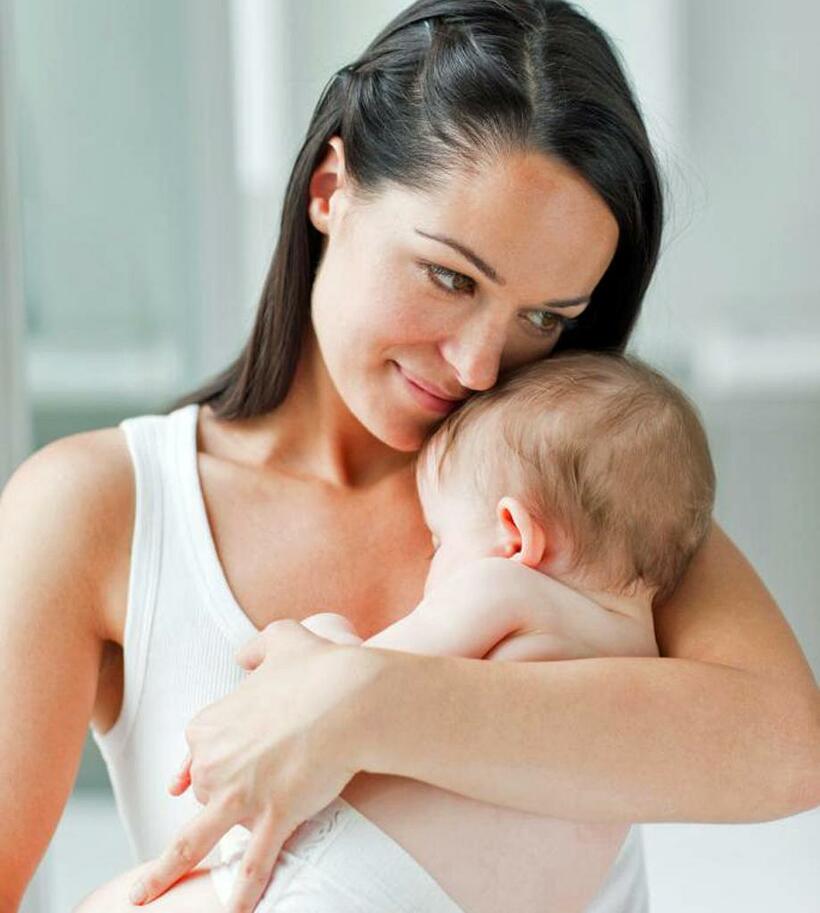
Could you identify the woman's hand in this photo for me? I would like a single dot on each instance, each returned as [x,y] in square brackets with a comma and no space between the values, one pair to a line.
[269,755]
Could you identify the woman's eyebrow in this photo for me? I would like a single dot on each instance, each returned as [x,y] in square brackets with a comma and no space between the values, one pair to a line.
[465,251]
[491,273]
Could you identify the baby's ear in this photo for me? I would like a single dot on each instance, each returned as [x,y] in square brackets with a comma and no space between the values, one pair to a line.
[524,538]
[521,536]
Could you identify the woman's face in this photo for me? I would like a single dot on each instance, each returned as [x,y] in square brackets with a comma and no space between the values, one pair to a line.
[395,307]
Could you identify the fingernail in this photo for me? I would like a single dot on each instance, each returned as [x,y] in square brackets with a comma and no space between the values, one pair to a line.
[138,893]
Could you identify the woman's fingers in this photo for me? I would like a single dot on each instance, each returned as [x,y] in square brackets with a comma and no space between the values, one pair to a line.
[239,748]
[257,865]
[182,778]
[191,846]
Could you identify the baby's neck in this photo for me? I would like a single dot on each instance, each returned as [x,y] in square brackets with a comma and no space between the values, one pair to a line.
[636,604]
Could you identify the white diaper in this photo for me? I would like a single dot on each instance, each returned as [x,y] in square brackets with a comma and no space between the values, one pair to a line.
[338,861]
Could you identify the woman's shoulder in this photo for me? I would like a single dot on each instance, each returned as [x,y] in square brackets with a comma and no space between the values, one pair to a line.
[89,471]
[77,495]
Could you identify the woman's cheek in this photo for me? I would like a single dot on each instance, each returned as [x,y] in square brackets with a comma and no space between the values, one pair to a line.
[415,317]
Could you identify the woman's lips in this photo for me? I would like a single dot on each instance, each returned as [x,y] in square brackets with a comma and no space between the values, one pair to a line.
[426,399]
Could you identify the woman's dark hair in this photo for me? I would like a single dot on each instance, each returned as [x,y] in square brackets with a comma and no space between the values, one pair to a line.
[447,85]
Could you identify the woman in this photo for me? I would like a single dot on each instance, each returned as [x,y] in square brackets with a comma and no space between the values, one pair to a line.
[476,192]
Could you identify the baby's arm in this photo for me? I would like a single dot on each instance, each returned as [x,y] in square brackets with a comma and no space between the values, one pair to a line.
[446,627]
[432,628]
[456,620]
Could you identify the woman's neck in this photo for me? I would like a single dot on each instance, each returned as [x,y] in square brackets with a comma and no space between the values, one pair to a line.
[314,435]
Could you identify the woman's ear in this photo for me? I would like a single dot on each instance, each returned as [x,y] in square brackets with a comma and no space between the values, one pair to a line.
[522,537]
[327,180]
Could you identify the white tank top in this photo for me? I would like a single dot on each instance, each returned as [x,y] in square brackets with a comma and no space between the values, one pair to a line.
[183,628]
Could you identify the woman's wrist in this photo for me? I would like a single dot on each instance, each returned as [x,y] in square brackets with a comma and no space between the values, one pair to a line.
[361,732]
[380,719]
[405,713]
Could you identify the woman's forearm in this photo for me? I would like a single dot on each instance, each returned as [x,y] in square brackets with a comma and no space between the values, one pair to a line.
[599,740]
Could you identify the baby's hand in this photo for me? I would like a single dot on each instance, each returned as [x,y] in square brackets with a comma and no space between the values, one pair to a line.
[332,626]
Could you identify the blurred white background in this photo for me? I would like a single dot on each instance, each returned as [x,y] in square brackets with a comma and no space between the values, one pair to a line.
[144,149]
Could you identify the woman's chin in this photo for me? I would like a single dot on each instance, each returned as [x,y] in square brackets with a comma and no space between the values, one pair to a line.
[406,436]
[404,441]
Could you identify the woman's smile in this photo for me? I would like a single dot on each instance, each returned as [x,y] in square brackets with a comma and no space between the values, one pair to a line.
[424,398]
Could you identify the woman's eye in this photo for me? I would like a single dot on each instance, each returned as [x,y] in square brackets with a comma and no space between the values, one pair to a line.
[548,322]
[545,321]
[434,271]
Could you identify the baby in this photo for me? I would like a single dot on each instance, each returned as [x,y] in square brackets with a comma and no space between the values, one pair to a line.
[592,469]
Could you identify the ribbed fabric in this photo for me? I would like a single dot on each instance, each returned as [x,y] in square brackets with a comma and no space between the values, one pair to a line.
[183,628]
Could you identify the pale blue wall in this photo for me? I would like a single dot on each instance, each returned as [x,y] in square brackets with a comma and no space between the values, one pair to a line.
[105,164]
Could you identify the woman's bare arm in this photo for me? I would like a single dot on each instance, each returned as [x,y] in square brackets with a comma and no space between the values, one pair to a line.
[723,726]
[55,540]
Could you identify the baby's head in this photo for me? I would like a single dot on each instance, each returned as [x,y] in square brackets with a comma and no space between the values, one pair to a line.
[590,467]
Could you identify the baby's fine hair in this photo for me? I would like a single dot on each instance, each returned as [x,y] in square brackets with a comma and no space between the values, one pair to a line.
[600,444]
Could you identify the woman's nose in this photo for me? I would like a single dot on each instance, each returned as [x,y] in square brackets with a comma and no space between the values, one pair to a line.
[475,351]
